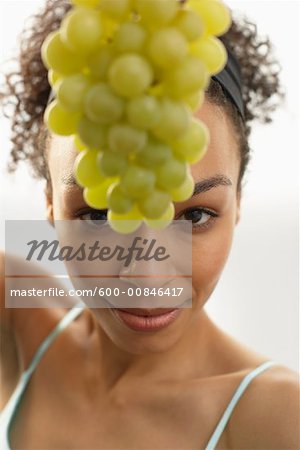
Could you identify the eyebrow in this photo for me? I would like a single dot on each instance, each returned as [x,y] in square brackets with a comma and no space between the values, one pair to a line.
[210,183]
[200,186]
[69,180]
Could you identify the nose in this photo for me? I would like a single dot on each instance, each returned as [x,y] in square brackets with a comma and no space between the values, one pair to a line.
[148,272]
[148,285]
[155,281]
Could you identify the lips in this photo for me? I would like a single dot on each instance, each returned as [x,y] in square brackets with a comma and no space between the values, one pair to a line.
[150,320]
[147,312]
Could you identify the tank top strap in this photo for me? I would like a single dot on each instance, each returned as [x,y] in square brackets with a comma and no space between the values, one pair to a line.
[235,398]
[11,406]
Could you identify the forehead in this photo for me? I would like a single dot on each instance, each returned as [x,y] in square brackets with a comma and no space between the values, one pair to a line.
[222,155]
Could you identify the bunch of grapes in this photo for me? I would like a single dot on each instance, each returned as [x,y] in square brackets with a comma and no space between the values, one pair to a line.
[127,77]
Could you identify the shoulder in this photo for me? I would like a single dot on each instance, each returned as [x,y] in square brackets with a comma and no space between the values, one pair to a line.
[16,318]
[267,415]
[22,330]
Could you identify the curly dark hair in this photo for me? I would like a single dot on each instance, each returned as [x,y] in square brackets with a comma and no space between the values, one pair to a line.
[25,91]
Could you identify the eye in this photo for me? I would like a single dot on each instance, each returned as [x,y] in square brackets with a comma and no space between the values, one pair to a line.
[200,217]
[93,216]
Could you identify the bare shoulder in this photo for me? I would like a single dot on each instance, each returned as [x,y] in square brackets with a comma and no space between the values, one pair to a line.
[267,415]
[22,330]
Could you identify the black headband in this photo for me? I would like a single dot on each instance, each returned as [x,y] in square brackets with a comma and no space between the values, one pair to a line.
[231,81]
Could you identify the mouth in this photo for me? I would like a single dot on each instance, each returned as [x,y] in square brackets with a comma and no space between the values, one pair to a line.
[147,312]
[146,319]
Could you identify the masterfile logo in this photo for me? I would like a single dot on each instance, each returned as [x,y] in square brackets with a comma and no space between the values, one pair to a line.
[143,250]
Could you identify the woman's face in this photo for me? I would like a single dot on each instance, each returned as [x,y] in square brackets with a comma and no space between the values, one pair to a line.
[212,234]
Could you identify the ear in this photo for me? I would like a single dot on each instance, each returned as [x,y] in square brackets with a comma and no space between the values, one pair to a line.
[238,207]
[49,204]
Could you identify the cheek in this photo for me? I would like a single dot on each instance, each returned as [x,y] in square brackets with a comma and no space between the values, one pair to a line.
[210,253]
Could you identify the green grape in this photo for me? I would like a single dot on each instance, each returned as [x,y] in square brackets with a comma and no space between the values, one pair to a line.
[171,174]
[214,14]
[187,78]
[174,120]
[168,47]
[117,201]
[81,30]
[79,144]
[130,37]
[109,27]
[130,75]
[125,223]
[86,169]
[70,91]
[185,190]
[154,154]
[126,139]
[112,164]
[53,77]
[189,24]
[212,52]
[86,3]
[157,13]
[163,221]
[100,61]
[143,112]
[102,105]
[155,204]
[195,100]
[96,196]
[193,145]
[58,57]
[137,182]
[116,9]
[91,134]
[60,121]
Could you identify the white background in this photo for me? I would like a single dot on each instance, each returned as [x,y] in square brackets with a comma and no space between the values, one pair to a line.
[256,300]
